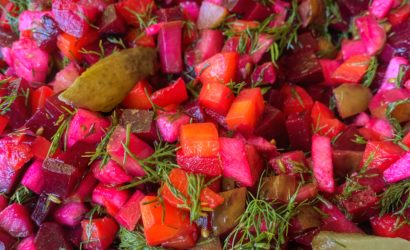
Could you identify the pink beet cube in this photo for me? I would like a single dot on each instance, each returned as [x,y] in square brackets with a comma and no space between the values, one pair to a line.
[139,148]
[15,220]
[33,178]
[240,162]
[110,173]
[169,125]
[86,126]
[130,213]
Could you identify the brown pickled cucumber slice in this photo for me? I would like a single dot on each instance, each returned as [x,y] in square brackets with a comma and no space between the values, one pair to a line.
[105,84]
[351,99]
[342,241]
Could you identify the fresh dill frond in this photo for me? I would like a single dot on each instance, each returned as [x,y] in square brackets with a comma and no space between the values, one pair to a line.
[12,15]
[97,209]
[402,73]
[398,130]
[21,195]
[117,41]
[13,92]
[63,124]
[275,218]
[134,240]
[358,139]
[101,149]
[351,186]
[396,198]
[100,54]
[371,72]
[236,87]
[145,19]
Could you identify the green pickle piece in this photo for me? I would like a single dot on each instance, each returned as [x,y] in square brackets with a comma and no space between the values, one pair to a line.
[105,84]
[351,241]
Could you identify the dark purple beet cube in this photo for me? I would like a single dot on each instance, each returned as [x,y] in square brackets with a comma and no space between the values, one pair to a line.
[43,207]
[59,178]
[272,125]
[302,67]
[300,130]
[6,241]
[50,236]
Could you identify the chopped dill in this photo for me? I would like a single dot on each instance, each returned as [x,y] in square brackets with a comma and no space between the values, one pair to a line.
[371,72]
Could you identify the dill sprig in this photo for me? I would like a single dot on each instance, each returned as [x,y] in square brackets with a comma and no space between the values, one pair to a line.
[400,75]
[21,195]
[156,166]
[13,14]
[249,233]
[117,41]
[100,54]
[351,187]
[398,130]
[145,19]
[134,240]
[13,92]
[97,209]
[358,139]
[101,149]
[332,16]
[236,87]
[396,199]
[371,72]
[63,124]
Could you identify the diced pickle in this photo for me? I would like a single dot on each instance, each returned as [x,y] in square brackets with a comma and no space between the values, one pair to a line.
[279,187]
[342,241]
[225,217]
[106,83]
[351,99]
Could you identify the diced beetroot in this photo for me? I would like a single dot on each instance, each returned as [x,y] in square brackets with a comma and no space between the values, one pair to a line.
[44,119]
[59,178]
[265,73]
[380,8]
[75,155]
[238,6]
[170,46]
[360,203]
[289,162]
[129,214]
[350,8]
[209,44]
[45,33]
[65,77]
[27,244]
[392,72]
[353,48]
[257,11]
[263,146]
[40,148]
[27,19]
[117,152]
[264,42]
[33,178]
[3,202]
[272,125]
[169,14]
[110,197]
[15,220]
[322,163]
[302,67]
[111,23]
[336,221]
[195,111]
[43,208]
[211,15]
[13,155]
[328,68]
[70,214]
[245,67]
[175,93]
[51,236]
[74,18]
[85,188]
[399,170]
[209,166]
[373,179]
[299,130]
[381,154]
[239,161]
[169,125]
[86,126]
[28,61]
[110,173]
[99,234]
[190,10]
[371,33]
[7,241]
[387,226]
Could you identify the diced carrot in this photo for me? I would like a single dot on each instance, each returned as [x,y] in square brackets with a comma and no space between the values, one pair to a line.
[221,68]
[137,98]
[247,107]
[199,139]
[39,96]
[70,46]
[216,96]
[352,70]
